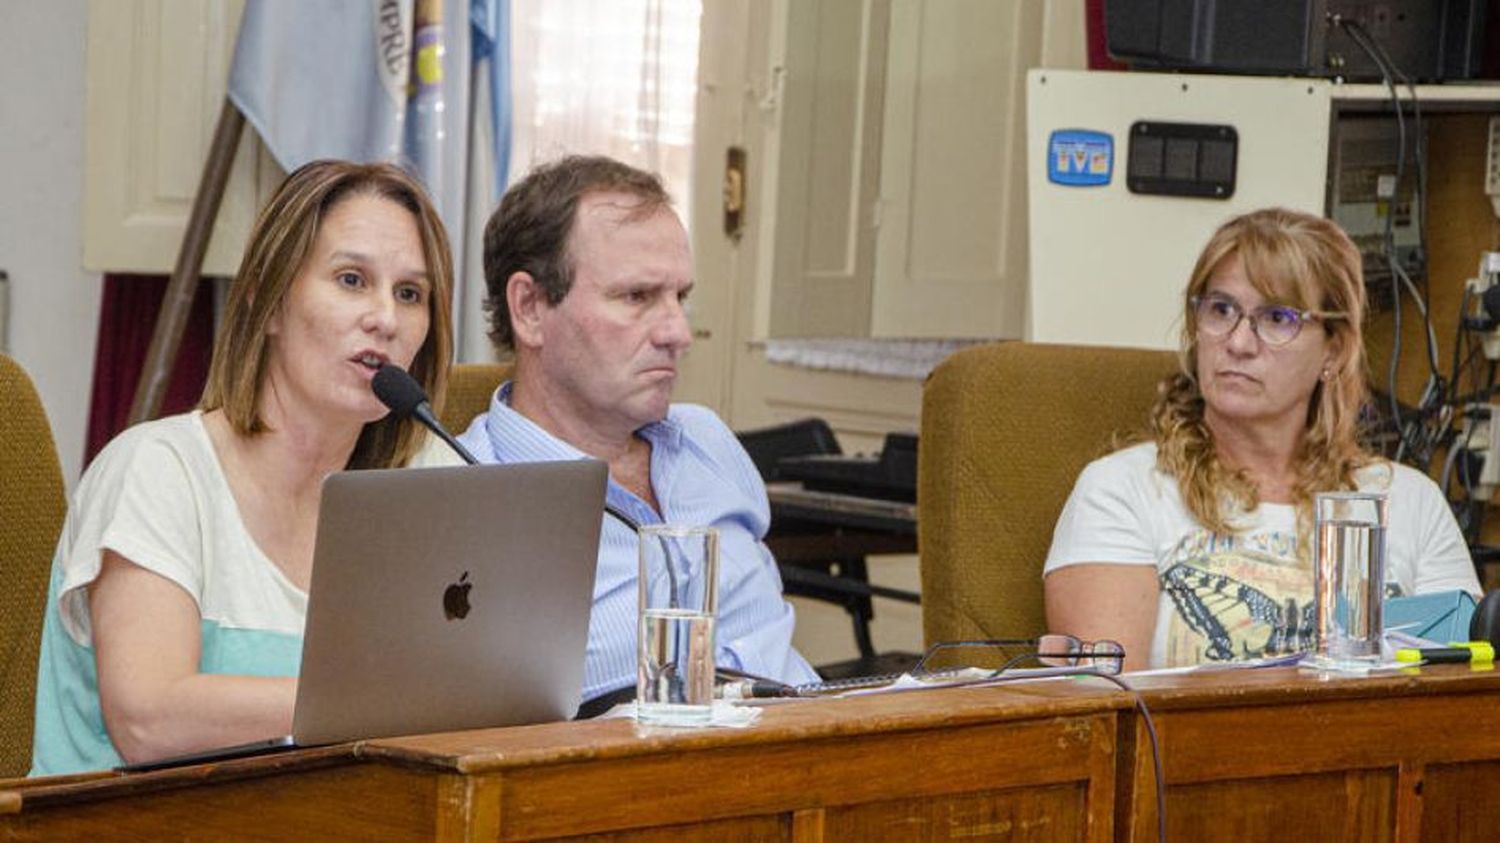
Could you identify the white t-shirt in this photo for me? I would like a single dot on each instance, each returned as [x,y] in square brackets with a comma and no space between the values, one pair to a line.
[157,496]
[1243,595]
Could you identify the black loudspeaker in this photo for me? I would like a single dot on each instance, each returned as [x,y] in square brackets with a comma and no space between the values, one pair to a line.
[1485,625]
[1427,40]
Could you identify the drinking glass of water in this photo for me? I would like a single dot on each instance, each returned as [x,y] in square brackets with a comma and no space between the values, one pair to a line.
[679,591]
[1349,577]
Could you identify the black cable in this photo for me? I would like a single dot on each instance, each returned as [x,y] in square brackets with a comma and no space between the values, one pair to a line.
[1418,150]
[1463,312]
[1156,770]
[621,517]
[1432,393]
[1472,356]
[1140,705]
[999,676]
[1460,341]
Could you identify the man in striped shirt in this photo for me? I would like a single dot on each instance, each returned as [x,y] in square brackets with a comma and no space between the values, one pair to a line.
[588,272]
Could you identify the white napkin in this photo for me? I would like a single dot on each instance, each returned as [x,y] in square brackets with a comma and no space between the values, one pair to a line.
[725,715]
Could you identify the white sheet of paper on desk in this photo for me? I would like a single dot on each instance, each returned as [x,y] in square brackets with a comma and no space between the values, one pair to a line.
[726,715]
[1393,640]
[908,682]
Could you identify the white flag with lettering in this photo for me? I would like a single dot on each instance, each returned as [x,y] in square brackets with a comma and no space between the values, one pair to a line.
[324,78]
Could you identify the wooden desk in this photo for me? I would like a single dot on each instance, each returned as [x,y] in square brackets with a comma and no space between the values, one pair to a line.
[1248,755]
[1283,755]
[1033,763]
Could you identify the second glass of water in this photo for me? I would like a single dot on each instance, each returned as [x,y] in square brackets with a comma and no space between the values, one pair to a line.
[1349,577]
[679,596]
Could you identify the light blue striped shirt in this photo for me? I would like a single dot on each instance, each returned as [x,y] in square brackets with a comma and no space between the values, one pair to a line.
[702,476]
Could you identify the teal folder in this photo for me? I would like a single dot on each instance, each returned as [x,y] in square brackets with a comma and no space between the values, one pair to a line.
[1441,616]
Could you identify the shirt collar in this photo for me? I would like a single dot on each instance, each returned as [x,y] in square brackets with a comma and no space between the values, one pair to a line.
[506,428]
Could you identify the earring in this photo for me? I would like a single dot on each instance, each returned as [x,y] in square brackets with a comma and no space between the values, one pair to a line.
[1326,376]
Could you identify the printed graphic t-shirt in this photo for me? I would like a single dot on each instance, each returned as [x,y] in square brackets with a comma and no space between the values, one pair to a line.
[1240,596]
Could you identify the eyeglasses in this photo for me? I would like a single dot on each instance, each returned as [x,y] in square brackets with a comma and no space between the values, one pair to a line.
[1052,650]
[1275,324]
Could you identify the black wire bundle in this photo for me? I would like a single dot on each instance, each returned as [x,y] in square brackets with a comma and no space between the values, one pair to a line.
[1442,407]
[1416,439]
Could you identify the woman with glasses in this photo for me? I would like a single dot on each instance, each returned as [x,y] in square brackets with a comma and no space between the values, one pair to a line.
[1194,546]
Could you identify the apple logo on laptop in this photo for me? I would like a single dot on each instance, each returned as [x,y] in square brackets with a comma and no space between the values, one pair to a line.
[456,598]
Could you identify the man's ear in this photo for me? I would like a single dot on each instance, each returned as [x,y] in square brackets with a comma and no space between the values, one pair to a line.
[527,302]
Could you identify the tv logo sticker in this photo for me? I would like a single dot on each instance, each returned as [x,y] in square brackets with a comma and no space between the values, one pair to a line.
[1080,158]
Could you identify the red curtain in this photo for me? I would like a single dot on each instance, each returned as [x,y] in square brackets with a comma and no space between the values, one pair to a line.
[127,317]
[1094,31]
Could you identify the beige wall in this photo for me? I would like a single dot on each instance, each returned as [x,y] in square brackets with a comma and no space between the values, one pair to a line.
[53,311]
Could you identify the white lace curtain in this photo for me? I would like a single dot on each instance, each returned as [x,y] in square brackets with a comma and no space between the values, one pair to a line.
[611,77]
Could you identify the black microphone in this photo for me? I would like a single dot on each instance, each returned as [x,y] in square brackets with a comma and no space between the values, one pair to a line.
[399,391]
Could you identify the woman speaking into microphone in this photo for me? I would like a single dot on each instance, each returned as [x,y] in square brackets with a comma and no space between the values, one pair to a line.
[179,587]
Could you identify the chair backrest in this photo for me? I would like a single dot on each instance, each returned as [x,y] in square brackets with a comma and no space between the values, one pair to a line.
[470,386]
[32,504]
[1006,428]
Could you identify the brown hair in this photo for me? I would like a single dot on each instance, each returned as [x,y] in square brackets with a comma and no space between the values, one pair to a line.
[1307,262]
[279,244]
[531,230]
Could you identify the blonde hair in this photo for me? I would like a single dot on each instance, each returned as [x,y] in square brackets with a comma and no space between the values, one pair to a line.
[279,244]
[1306,262]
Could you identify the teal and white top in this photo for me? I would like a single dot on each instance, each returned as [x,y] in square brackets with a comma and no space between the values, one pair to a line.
[157,496]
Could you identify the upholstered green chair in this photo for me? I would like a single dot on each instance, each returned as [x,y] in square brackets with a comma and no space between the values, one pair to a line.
[470,386]
[32,505]
[1005,430]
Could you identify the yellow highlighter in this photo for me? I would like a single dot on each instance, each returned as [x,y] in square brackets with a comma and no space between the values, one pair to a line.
[1457,652]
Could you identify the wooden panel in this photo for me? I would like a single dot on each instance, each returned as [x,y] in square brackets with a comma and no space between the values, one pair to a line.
[1353,806]
[705,374]
[1458,800]
[157,72]
[1244,751]
[1329,736]
[397,804]
[742,830]
[738,781]
[827,150]
[951,253]
[468,808]
[1249,755]
[1041,813]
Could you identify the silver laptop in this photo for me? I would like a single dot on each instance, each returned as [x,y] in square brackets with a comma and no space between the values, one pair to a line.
[444,599]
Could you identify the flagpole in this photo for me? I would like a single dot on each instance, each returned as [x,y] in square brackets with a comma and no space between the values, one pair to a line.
[178,301]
